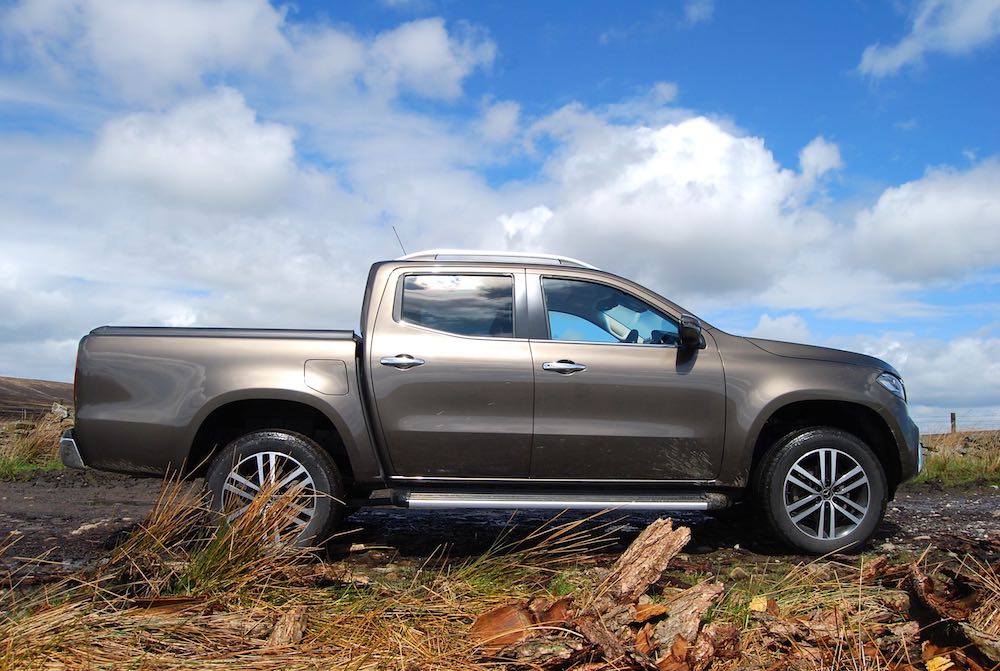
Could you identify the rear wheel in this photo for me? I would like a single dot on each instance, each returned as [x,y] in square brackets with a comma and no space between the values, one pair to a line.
[822,490]
[280,463]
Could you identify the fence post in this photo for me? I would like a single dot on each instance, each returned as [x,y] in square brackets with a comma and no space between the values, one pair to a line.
[954,424]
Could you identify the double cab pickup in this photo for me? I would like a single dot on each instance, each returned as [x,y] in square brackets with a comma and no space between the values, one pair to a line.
[503,380]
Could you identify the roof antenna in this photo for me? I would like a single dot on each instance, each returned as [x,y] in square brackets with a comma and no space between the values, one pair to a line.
[399,241]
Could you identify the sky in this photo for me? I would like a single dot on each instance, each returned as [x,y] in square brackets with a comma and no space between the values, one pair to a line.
[825,173]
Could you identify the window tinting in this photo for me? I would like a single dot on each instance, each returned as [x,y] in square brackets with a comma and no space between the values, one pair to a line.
[591,312]
[471,305]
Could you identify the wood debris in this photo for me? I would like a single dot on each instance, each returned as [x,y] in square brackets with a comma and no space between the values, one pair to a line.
[643,563]
[504,626]
[642,620]
[616,630]
[687,611]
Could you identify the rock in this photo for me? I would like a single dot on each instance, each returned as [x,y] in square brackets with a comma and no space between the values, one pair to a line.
[738,573]
[290,627]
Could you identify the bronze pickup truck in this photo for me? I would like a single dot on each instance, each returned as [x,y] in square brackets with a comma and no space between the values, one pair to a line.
[503,380]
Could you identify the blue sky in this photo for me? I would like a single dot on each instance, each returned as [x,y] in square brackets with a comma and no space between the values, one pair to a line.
[820,172]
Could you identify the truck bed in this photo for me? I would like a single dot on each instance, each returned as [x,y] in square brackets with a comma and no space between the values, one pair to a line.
[143,393]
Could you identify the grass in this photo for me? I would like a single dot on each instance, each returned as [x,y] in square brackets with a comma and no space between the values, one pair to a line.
[20,469]
[962,458]
[30,446]
[183,591]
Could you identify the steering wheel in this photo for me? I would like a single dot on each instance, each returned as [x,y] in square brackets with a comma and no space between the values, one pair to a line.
[664,338]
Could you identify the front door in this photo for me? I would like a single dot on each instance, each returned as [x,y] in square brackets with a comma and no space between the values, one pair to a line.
[453,386]
[615,397]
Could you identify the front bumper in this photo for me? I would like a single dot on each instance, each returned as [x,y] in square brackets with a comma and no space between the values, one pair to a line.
[69,453]
[911,451]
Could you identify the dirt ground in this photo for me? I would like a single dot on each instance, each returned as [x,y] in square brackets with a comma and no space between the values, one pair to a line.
[66,519]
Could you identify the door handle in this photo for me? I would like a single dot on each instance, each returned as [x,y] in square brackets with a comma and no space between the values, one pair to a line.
[563,366]
[402,361]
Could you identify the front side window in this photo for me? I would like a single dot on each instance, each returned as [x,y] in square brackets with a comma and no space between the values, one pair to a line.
[591,312]
[469,305]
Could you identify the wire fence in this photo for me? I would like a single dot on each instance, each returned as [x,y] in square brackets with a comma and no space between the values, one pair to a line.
[964,420]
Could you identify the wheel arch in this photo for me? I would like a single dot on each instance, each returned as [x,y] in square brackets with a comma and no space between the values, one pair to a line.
[232,418]
[859,420]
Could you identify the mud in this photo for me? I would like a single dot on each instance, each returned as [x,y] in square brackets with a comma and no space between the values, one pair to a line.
[61,521]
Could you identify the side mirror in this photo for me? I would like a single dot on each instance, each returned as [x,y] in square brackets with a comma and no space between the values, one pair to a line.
[691,332]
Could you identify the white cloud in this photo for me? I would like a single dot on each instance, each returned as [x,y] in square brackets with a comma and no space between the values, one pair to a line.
[500,121]
[207,151]
[325,57]
[708,205]
[698,11]
[943,225]
[790,328]
[525,225]
[652,107]
[158,50]
[91,255]
[149,47]
[198,211]
[423,57]
[945,26]
[818,158]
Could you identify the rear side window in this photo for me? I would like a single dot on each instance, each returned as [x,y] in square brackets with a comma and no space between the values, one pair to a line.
[469,305]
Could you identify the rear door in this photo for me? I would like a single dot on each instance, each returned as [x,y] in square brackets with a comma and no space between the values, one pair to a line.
[452,384]
[615,397]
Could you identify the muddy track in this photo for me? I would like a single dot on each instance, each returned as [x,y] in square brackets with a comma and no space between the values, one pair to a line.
[67,519]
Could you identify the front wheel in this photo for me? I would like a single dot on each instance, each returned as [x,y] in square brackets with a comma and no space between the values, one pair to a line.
[822,490]
[278,463]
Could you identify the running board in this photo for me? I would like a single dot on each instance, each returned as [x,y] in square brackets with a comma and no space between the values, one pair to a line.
[676,502]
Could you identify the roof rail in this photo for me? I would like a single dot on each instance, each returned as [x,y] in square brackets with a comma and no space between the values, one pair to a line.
[497,256]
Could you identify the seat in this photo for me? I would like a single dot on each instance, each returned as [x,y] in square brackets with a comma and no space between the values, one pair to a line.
[502,326]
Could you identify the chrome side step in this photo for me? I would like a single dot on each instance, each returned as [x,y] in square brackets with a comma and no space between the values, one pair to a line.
[677,502]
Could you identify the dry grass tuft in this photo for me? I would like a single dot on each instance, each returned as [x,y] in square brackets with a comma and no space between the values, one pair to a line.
[960,458]
[34,441]
[27,445]
[177,594]
[986,617]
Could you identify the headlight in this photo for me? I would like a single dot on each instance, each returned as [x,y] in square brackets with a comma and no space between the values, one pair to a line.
[893,384]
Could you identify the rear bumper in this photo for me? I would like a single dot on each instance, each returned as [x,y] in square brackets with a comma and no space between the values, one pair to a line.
[69,453]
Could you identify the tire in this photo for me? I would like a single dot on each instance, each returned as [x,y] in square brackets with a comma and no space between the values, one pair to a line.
[797,490]
[288,453]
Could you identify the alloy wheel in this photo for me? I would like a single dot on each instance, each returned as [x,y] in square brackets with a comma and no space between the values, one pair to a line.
[279,475]
[826,493]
